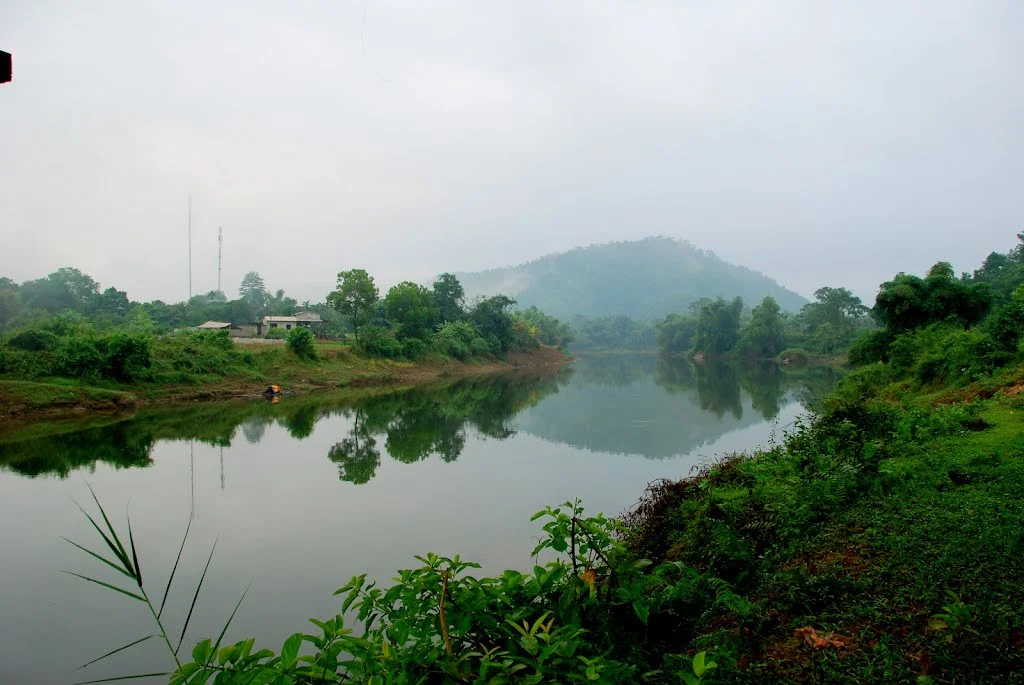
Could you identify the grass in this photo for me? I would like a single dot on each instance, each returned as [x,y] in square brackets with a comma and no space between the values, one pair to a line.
[908,566]
[61,393]
[246,371]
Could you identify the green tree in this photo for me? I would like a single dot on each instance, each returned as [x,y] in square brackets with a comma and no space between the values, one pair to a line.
[253,290]
[908,302]
[449,298]
[762,338]
[837,307]
[676,333]
[355,297]
[718,326]
[114,301]
[66,288]
[410,306]
[492,318]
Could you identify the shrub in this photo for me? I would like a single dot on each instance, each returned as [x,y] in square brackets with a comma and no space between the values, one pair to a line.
[301,342]
[413,348]
[870,347]
[479,347]
[275,334]
[377,341]
[34,340]
[78,358]
[126,357]
[453,338]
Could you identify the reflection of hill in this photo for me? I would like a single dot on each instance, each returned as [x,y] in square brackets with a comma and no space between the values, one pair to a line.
[415,423]
[659,408]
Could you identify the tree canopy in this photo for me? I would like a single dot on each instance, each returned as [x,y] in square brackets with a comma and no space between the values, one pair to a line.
[356,297]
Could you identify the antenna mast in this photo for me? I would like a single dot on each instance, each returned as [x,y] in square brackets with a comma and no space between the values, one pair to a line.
[220,248]
[190,247]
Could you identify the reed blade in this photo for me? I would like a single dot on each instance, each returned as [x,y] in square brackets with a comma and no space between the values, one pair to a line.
[167,589]
[199,587]
[106,585]
[94,554]
[115,651]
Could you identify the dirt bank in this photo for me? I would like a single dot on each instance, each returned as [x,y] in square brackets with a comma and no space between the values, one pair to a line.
[28,401]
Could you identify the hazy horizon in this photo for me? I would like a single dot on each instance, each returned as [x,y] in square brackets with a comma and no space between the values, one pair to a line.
[820,143]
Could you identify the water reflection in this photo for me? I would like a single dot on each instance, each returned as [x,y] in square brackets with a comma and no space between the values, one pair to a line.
[621,404]
[661,407]
[413,424]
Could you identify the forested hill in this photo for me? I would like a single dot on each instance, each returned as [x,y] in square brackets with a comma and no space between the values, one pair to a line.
[643,279]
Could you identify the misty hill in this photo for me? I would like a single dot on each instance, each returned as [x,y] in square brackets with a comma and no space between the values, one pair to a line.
[643,279]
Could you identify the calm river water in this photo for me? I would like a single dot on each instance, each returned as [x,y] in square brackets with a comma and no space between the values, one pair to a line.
[302,494]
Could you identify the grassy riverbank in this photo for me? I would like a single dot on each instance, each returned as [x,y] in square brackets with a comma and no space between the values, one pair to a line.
[879,543]
[239,372]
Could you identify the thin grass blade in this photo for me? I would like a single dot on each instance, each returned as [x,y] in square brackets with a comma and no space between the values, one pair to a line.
[113,533]
[135,556]
[106,585]
[167,590]
[231,618]
[115,651]
[121,677]
[110,543]
[93,554]
[199,587]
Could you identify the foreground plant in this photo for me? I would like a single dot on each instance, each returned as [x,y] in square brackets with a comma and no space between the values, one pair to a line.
[583,617]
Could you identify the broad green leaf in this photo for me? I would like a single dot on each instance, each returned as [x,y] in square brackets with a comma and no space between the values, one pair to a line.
[698,664]
[290,650]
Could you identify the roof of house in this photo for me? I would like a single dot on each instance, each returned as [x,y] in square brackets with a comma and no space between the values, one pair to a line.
[300,316]
[214,324]
[307,316]
[280,319]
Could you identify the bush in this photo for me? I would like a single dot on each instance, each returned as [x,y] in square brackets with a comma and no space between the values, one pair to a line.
[127,357]
[78,358]
[870,347]
[454,338]
[275,334]
[34,340]
[301,342]
[479,347]
[376,341]
[413,348]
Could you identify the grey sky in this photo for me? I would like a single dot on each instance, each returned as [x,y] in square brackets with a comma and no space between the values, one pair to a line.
[820,142]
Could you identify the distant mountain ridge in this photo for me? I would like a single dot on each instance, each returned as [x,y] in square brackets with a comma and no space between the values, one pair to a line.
[643,279]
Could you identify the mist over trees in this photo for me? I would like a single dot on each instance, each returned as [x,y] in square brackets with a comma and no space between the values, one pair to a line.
[643,280]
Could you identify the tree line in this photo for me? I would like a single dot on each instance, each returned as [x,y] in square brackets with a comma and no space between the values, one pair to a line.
[410,319]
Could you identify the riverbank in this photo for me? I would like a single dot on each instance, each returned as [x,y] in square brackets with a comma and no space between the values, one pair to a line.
[337,367]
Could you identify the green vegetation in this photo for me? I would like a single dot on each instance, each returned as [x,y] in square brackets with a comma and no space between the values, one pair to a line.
[62,328]
[716,328]
[878,542]
[641,279]
[612,332]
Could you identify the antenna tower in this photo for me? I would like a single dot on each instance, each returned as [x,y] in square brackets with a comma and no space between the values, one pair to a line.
[220,248]
[190,247]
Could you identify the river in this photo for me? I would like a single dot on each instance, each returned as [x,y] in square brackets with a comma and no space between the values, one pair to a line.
[301,494]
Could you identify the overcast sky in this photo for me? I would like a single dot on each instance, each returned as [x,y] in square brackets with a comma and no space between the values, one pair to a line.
[819,142]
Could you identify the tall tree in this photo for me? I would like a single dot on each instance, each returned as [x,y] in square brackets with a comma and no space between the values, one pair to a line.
[718,326]
[909,302]
[253,290]
[114,301]
[492,318]
[762,337]
[449,298]
[66,288]
[411,307]
[355,297]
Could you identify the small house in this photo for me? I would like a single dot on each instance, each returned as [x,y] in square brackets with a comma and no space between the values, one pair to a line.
[234,330]
[303,319]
